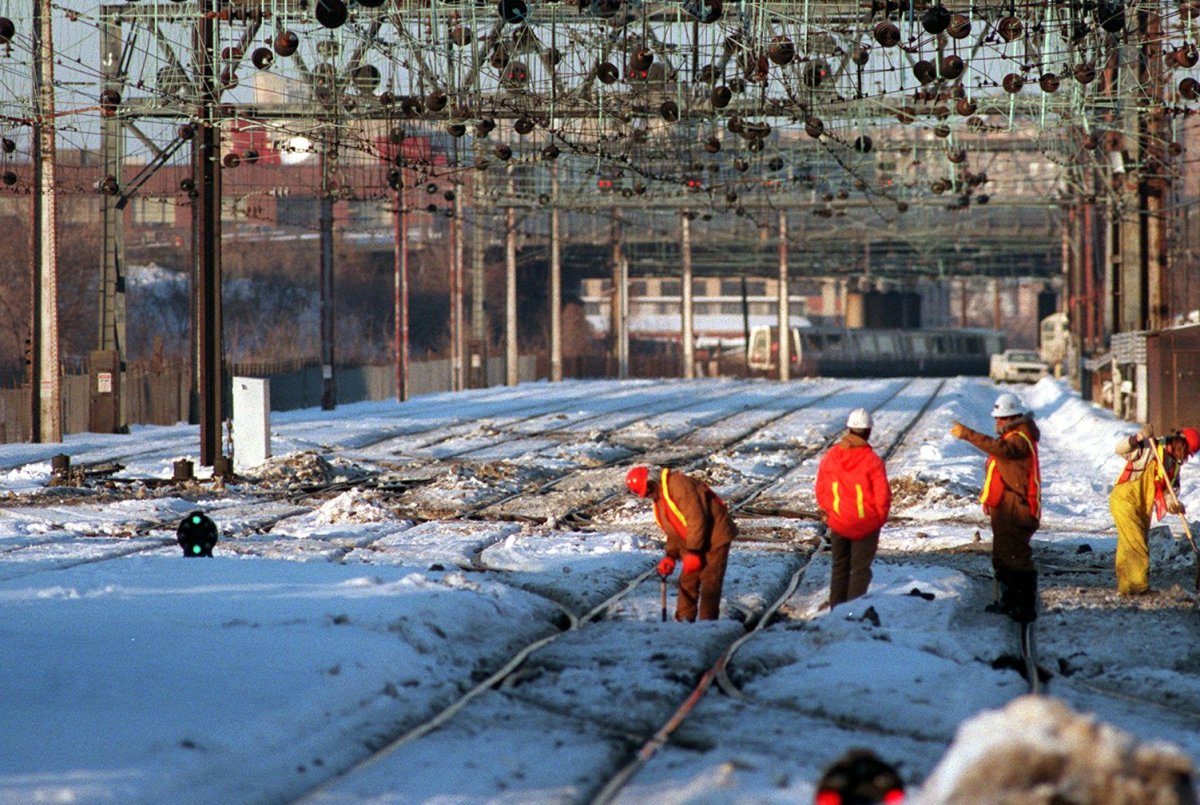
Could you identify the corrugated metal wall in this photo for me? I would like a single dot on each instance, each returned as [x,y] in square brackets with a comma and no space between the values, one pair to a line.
[1173,377]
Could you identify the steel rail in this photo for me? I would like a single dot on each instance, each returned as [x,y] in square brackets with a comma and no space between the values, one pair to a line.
[714,674]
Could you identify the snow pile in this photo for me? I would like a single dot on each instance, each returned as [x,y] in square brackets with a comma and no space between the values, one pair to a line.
[1037,750]
[355,506]
[30,478]
[306,468]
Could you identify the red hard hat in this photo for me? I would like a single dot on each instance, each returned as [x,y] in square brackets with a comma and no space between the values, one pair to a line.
[636,480]
[1193,440]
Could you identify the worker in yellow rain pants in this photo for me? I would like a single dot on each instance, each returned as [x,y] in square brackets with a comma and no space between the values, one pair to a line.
[1131,504]
[1140,492]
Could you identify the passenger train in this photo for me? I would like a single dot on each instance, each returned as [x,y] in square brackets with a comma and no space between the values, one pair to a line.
[846,352]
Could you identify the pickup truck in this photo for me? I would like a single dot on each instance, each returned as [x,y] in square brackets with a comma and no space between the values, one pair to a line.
[1017,366]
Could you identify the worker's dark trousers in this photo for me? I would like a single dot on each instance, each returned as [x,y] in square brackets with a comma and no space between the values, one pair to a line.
[703,588]
[851,573]
[1012,563]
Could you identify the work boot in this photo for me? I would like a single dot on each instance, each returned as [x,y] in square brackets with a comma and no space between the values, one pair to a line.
[1018,595]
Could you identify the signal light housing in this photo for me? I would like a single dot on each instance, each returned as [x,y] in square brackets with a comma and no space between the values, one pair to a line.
[860,777]
[197,535]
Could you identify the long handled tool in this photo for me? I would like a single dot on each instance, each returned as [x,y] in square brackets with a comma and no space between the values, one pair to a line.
[662,587]
[1170,490]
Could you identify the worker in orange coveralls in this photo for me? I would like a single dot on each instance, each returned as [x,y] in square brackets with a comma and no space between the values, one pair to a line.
[699,532]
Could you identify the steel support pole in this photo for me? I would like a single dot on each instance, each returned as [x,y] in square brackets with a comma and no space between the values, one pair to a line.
[1129,242]
[479,332]
[206,155]
[556,353]
[623,313]
[619,329]
[1092,315]
[458,281]
[785,330]
[400,294]
[1153,184]
[688,336]
[511,353]
[111,319]
[328,331]
[46,394]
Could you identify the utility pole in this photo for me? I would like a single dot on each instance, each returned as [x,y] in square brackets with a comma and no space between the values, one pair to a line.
[511,353]
[328,376]
[46,393]
[619,331]
[785,318]
[458,373]
[111,337]
[556,356]
[400,301]
[686,301]
[206,239]
[479,333]
[1153,182]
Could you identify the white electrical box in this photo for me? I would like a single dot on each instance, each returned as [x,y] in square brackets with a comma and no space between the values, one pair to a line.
[251,422]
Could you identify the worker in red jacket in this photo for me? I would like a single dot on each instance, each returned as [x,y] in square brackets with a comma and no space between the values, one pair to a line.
[699,531]
[855,499]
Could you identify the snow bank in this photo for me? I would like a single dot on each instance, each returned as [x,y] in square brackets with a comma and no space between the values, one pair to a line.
[1037,750]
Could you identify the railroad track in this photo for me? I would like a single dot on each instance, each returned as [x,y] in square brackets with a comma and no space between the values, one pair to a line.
[511,675]
[508,678]
[293,499]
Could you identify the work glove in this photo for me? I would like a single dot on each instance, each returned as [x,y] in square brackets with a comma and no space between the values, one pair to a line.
[1174,507]
[666,566]
[1147,432]
[691,563]
[958,430]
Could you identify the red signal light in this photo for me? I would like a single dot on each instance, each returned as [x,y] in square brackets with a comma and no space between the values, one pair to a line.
[828,797]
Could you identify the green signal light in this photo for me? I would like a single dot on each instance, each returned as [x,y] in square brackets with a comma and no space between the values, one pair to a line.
[195,549]
[195,519]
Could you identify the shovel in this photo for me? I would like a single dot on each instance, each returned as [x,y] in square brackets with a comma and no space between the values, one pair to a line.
[1187,527]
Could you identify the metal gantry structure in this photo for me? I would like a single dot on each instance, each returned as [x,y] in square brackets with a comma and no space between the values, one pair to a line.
[690,108]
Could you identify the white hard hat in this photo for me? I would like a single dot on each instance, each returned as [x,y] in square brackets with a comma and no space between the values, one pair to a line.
[859,419]
[1006,405]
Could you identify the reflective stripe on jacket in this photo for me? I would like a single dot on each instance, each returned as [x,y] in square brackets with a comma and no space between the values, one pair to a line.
[993,483]
[668,515]
[852,488]
[693,517]
[1013,479]
[1142,456]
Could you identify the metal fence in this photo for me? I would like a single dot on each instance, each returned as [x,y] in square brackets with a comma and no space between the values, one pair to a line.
[158,394]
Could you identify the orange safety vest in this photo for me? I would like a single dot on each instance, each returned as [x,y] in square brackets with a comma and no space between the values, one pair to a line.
[993,484]
[1162,477]
[670,518]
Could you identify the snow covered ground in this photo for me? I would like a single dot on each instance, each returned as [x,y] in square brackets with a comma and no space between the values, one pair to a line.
[392,557]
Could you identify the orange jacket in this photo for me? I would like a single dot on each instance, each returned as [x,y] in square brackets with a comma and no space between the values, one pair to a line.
[852,488]
[1012,476]
[692,516]
[1141,455]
